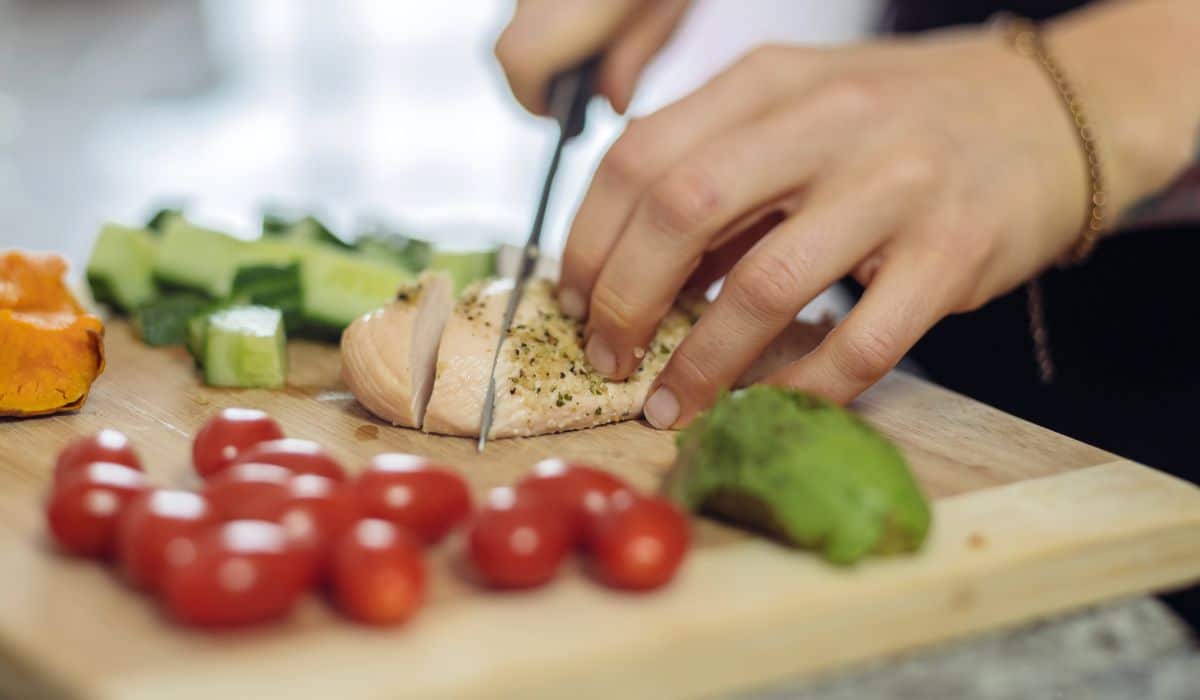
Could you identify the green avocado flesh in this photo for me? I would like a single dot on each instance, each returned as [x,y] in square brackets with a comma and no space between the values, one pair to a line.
[803,470]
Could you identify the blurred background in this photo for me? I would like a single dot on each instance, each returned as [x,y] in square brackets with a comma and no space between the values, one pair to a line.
[358,110]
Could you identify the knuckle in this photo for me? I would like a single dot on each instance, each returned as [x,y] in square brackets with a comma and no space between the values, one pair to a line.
[510,51]
[767,286]
[866,355]
[611,310]
[627,163]
[851,97]
[697,374]
[915,171]
[762,58]
[684,202]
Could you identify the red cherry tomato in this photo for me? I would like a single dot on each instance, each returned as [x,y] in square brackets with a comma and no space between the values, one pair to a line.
[518,543]
[105,446]
[317,512]
[156,531]
[84,509]
[581,491]
[301,456]
[639,542]
[242,572]
[426,499]
[378,573]
[249,491]
[227,435]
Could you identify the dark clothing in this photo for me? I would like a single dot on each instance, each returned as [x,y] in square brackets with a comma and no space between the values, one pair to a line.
[919,15]
[1124,328]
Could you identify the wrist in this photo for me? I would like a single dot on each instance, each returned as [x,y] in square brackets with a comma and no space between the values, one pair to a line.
[1143,118]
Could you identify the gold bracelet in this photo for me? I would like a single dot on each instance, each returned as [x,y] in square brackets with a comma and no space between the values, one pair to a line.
[1026,38]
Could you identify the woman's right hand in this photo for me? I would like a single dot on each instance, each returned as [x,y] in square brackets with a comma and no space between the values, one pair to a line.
[547,37]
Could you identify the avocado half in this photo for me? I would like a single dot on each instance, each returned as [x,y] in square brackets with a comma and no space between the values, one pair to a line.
[803,470]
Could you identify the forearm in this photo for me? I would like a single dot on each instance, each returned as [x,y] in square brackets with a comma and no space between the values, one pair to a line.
[1133,65]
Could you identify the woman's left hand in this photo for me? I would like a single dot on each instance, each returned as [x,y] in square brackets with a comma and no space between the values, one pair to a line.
[939,172]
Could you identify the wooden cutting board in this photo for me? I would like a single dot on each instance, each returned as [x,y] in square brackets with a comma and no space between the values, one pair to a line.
[1027,522]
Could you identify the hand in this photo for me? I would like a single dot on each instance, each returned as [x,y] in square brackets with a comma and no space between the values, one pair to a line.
[547,37]
[939,172]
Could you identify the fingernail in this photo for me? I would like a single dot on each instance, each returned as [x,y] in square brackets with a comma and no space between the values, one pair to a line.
[662,408]
[601,356]
[571,303]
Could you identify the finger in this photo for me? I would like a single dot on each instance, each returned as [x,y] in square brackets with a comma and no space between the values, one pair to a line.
[628,55]
[841,224]
[909,294]
[677,219]
[717,263]
[647,148]
[546,38]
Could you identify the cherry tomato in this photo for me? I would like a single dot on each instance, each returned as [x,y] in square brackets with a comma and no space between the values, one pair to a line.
[581,491]
[409,491]
[301,456]
[518,543]
[105,446]
[248,491]
[227,435]
[317,512]
[639,542]
[242,572]
[156,531]
[378,573]
[84,508]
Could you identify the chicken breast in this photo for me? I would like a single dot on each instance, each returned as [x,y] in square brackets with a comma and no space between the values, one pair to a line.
[423,361]
[544,384]
[388,355]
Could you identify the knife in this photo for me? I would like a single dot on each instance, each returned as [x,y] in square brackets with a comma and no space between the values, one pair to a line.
[569,95]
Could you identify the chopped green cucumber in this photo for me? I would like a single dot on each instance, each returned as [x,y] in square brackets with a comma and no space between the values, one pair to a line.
[305,229]
[120,269]
[465,267]
[245,346]
[199,259]
[163,321]
[413,254]
[337,288]
[269,285]
[207,261]
[159,220]
[197,332]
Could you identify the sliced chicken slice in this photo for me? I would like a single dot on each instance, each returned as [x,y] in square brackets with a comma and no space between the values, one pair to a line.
[544,384]
[389,355]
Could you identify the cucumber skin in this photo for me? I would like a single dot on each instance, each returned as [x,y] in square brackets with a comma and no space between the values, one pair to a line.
[337,288]
[164,321]
[120,267]
[198,259]
[244,359]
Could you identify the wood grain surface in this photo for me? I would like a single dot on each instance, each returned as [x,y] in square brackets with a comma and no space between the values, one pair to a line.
[1027,522]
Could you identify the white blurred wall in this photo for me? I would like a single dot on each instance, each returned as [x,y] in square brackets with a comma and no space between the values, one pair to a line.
[381,107]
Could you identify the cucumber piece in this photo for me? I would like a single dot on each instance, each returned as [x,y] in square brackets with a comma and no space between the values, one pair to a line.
[337,288]
[413,254]
[197,333]
[305,229]
[203,260]
[200,259]
[464,267]
[163,321]
[120,268]
[245,346]
[268,285]
[159,220]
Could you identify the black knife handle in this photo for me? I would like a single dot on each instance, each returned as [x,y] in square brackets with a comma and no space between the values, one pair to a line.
[570,93]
